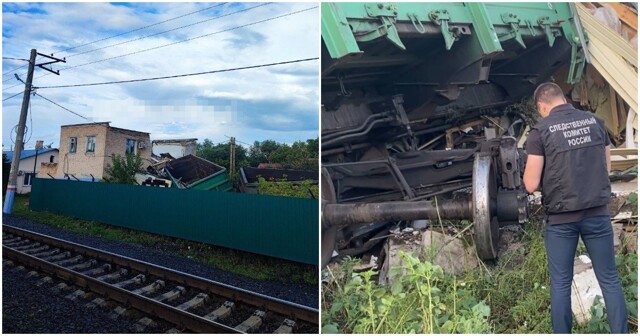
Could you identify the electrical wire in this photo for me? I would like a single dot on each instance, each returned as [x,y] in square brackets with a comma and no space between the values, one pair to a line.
[186,40]
[12,70]
[19,93]
[173,43]
[183,75]
[60,106]
[17,59]
[141,28]
[110,37]
[167,31]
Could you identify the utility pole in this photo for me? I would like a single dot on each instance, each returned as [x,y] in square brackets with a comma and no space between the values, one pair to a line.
[15,162]
[232,156]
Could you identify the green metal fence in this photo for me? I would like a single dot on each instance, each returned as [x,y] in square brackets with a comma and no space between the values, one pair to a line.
[280,227]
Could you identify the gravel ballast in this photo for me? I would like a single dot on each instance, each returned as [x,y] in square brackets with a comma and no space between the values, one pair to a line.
[27,308]
[16,291]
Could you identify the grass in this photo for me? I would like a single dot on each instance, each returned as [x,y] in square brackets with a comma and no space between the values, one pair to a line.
[247,264]
[515,289]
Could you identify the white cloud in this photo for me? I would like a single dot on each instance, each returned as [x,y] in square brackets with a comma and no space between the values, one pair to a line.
[208,106]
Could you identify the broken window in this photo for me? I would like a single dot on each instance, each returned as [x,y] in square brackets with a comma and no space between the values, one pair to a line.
[73,142]
[91,144]
[130,148]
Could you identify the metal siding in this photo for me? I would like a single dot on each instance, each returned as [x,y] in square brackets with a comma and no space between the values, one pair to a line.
[275,226]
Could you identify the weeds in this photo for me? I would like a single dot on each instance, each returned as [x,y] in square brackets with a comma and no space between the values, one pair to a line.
[513,298]
[423,300]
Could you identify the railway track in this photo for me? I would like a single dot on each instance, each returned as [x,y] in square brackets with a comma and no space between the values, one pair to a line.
[191,303]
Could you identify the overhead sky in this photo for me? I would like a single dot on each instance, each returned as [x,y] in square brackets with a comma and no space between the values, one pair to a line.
[278,103]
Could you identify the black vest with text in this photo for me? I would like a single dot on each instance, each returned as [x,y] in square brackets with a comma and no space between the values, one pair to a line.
[575,175]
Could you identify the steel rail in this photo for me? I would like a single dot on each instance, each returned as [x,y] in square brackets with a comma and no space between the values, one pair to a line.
[275,305]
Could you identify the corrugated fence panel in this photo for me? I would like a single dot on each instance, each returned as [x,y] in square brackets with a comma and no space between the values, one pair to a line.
[281,227]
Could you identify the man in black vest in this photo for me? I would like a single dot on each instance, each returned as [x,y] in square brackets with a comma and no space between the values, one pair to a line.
[569,158]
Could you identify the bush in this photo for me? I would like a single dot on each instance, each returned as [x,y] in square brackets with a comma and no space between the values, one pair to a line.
[282,187]
[423,300]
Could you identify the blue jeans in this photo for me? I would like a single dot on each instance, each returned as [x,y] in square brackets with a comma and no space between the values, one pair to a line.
[561,241]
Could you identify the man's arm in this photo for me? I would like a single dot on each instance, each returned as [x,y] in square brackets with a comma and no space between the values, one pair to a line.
[607,154]
[533,172]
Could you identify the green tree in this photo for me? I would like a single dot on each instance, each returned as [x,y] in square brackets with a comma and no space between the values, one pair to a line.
[261,151]
[122,170]
[300,155]
[219,153]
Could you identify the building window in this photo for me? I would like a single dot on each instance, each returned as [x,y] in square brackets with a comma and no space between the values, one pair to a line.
[51,158]
[28,177]
[73,144]
[91,144]
[130,148]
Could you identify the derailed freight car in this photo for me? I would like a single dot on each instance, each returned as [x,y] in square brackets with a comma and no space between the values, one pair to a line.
[423,99]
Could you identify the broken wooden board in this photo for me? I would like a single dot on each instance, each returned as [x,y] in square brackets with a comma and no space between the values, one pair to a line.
[613,56]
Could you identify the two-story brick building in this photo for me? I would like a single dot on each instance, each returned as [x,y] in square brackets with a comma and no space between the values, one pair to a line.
[86,149]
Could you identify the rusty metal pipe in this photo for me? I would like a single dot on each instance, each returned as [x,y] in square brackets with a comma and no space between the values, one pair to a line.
[346,214]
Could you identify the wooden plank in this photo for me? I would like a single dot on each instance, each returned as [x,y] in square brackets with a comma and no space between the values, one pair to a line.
[598,30]
[606,57]
[627,14]
[624,151]
[614,110]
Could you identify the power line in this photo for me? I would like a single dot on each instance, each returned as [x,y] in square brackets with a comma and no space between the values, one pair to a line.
[17,59]
[60,106]
[186,40]
[167,31]
[141,28]
[12,70]
[183,75]
[19,93]
[177,42]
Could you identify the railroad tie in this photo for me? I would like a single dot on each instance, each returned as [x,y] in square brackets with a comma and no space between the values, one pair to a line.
[11,241]
[20,268]
[58,256]
[150,289]
[252,323]
[84,265]
[78,294]
[114,276]
[36,250]
[99,270]
[32,274]
[97,302]
[117,312]
[197,301]
[26,247]
[138,279]
[16,242]
[286,327]
[221,313]
[73,260]
[7,263]
[173,331]
[60,287]
[46,253]
[171,295]
[45,280]
[143,323]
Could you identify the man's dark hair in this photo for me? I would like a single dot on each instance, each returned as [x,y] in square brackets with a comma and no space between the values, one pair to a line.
[548,93]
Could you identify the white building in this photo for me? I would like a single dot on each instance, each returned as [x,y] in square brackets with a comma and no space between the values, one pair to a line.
[177,148]
[26,166]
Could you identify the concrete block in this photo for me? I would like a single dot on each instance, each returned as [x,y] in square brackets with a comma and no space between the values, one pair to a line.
[584,289]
